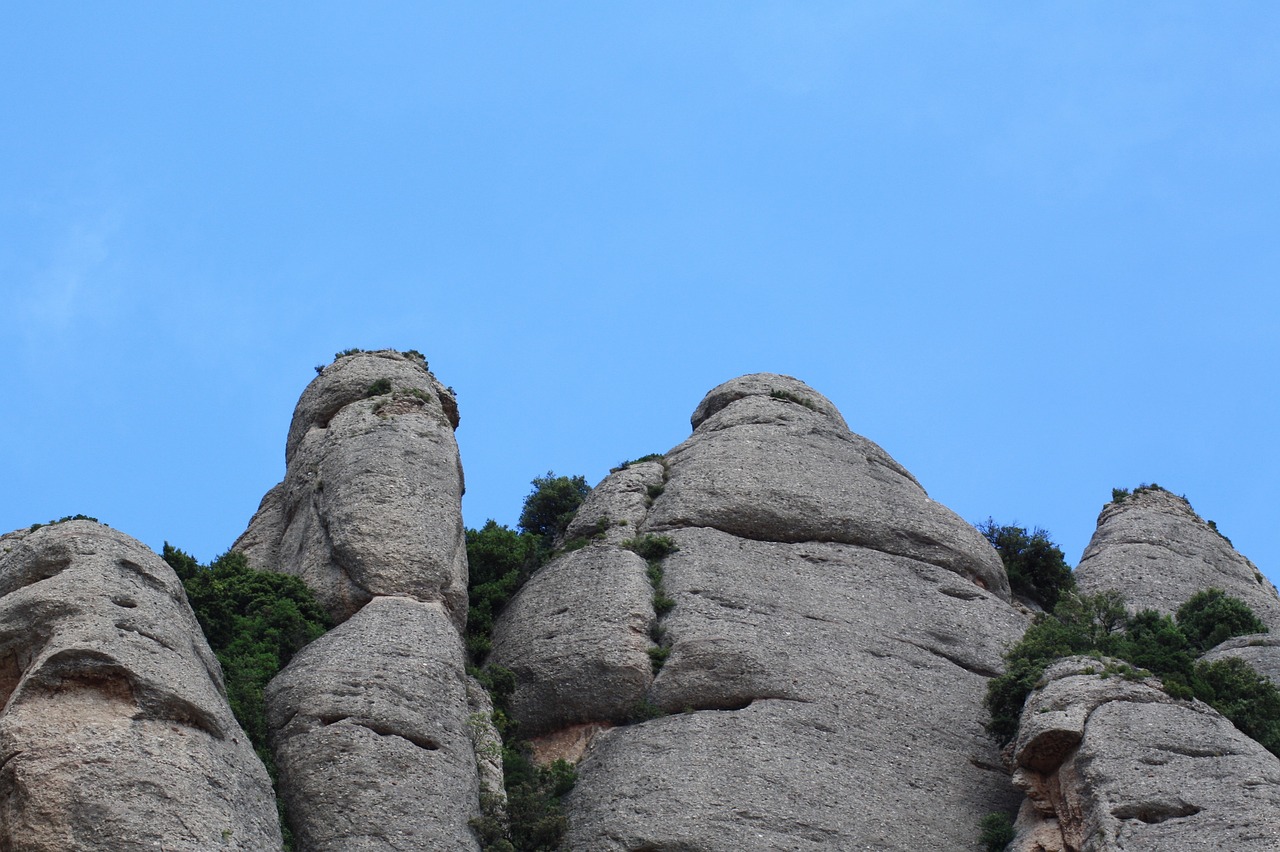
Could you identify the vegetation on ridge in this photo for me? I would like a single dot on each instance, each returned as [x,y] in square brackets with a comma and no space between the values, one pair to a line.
[501,560]
[1036,566]
[255,621]
[1147,643]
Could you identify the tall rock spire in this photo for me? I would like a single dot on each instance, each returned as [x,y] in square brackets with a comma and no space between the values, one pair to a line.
[372,723]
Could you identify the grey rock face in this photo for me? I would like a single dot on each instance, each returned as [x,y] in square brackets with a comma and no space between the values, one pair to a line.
[824,674]
[590,613]
[382,740]
[372,734]
[762,465]
[371,500]
[115,733]
[1260,650]
[1110,764]
[1158,552]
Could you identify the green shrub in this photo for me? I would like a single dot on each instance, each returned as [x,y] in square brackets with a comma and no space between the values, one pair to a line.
[997,831]
[1036,566]
[662,604]
[1248,699]
[658,657]
[63,520]
[1211,617]
[1119,495]
[1144,643]
[788,396]
[626,464]
[651,548]
[552,504]
[379,387]
[255,621]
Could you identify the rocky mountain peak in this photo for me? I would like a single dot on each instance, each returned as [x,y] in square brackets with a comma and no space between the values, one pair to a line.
[1154,548]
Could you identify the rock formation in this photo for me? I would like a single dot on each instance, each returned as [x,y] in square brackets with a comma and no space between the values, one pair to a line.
[823,656]
[1152,547]
[115,733]
[375,724]
[370,502]
[1110,764]
[767,638]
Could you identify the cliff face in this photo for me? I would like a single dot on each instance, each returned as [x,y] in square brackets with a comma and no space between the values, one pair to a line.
[773,639]
[370,723]
[827,643]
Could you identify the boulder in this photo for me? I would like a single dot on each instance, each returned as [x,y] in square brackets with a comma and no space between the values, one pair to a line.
[821,655]
[371,499]
[1153,548]
[115,732]
[372,734]
[1109,763]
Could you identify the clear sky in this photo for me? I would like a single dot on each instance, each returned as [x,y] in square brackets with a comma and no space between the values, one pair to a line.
[1028,248]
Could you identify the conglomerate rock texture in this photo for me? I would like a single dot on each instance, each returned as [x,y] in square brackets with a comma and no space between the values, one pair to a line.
[115,732]
[370,502]
[1112,764]
[1152,547]
[829,639]
[374,726]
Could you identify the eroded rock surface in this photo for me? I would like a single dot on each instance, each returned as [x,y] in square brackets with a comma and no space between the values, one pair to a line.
[1110,764]
[827,648]
[372,735]
[115,733]
[371,499]
[382,740]
[1158,552]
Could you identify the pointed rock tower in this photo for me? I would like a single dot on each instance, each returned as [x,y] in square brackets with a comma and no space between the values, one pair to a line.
[376,725]
[1109,763]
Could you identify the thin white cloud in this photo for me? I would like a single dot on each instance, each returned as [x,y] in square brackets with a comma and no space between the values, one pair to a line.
[72,283]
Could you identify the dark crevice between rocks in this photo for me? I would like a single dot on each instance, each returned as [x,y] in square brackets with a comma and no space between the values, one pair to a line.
[971,667]
[425,743]
[132,628]
[1155,812]
[146,576]
[968,594]
[987,765]
[731,703]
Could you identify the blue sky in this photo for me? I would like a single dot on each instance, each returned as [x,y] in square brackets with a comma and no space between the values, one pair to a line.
[1028,248]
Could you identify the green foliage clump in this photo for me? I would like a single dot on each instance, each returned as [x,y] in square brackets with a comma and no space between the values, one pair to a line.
[651,548]
[345,352]
[1100,625]
[788,396]
[254,621]
[646,458]
[378,388]
[500,561]
[1036,566]
[63,520]
[997,832]
[1211,617]
[552,504]
[1248,699]
[535,819]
